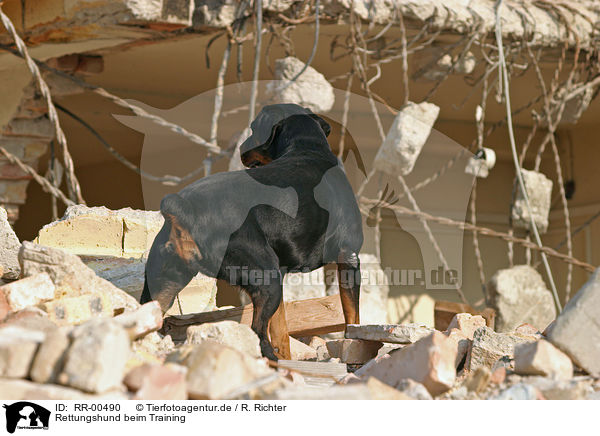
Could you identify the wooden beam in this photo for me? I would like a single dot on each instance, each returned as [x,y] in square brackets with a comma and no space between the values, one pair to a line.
[444,311]
[304,318]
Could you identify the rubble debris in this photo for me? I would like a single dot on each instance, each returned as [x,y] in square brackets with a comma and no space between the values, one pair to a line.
[317,373]
[157,382]
[478,379]
[373,389]
[96,360]
[200,295]
[301,351]
[519,295]
[310,90]
[17,350]
[100,231]
[463,344]
[70,276]
[539,191]
[529,330]
[31,318]
[29,291]
[353,351]
[394,333]
[413,389]
[444,312]
[76,310]
[15,389]
[553,389]
[214,369]
[147,319]
[406,138]
[519,391]
[430,361]
[576,330]
[498,375]
[466,323]
[542,358]
[230,333]
[9,249]
[50,357]
[489,347]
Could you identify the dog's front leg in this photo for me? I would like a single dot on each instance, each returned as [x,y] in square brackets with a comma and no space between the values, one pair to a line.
[348,266]
[265,299]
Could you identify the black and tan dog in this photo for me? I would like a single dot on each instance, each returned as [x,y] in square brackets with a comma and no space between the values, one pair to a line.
[292,210]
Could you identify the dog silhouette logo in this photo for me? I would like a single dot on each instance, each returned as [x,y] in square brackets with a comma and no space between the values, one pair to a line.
[26,415]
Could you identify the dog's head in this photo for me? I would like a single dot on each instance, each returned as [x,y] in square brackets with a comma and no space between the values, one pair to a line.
[258,149]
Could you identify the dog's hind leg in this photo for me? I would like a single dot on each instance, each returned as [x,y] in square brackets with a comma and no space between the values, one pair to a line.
[348,266]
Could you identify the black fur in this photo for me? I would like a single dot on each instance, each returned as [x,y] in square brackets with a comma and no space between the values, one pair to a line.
[296,213]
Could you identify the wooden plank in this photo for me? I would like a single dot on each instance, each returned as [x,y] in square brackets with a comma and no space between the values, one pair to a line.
[278,333]
[444,311]
[317,373]
[314,316]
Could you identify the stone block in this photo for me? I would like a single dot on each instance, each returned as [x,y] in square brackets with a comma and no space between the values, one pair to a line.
[576,331]
[96,360]
[430,361]
[310,90]
[29,291]
[230,333]
[9,248]
[17,350]
[405,139]
[76,310]
[393,333]
[519,295]
[148,318]
[353,351]
[215,370]
[539,191]
[542,358]
[50,357]
[489,347]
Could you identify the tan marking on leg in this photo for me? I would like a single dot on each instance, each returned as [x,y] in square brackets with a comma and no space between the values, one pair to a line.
[278,332]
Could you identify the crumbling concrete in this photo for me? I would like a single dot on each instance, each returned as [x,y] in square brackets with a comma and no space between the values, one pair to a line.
[430,361]
[489,347]
[405,139]
[519,295]
[542,358]
[395,334]
[9,248]
[95,361]
[576,330]
[539,191]
[310,90]
[230,333]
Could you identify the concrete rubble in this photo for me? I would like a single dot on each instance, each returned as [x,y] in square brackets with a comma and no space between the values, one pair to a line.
[519,295]
[67,333]
[539,191]
[310,90]
[405,139]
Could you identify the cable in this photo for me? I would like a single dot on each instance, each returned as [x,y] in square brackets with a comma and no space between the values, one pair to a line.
[504,75]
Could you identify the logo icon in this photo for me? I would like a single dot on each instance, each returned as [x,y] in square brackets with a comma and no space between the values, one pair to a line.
[26,415]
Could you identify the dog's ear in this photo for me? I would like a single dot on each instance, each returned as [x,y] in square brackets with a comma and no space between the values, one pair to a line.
[324,124]
[266,147]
